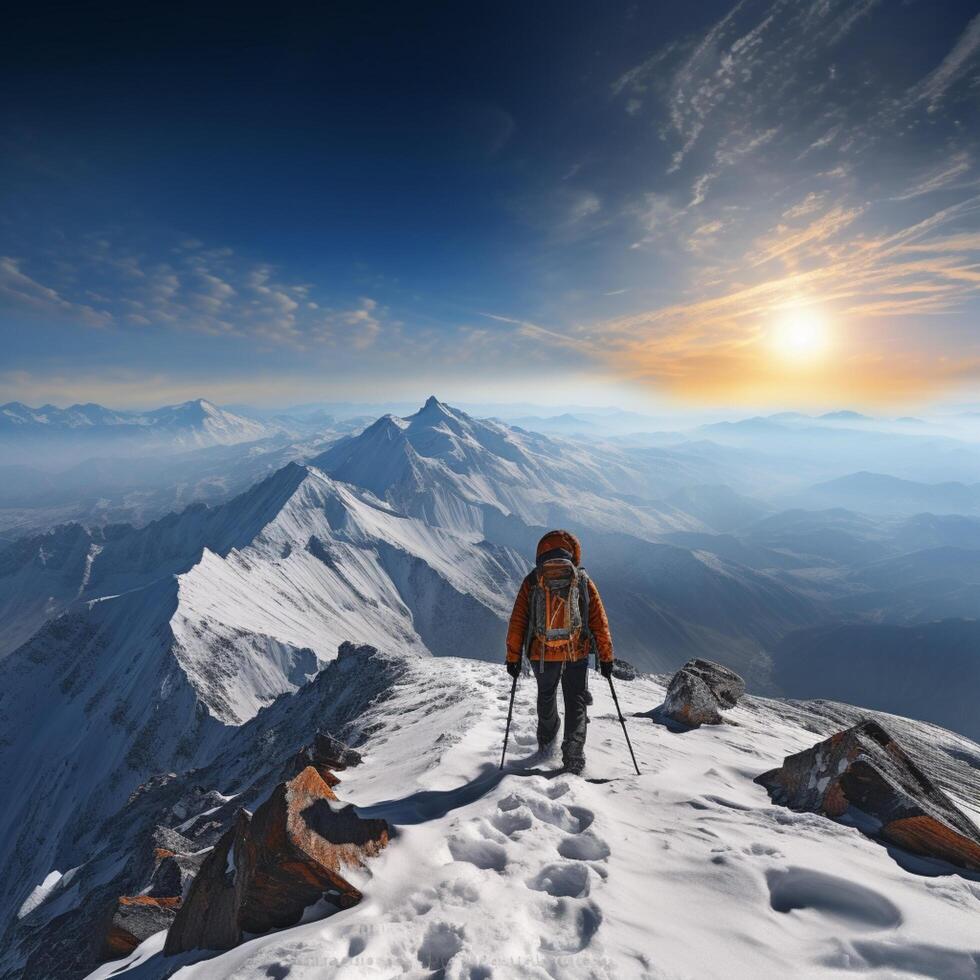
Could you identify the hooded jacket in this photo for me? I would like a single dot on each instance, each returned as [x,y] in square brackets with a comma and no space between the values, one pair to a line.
[558,544]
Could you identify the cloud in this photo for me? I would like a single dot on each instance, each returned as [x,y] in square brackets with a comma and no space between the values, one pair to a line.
[953,67]
[358,327]
[20,290]
[195,289]
[715,346]
[938,178]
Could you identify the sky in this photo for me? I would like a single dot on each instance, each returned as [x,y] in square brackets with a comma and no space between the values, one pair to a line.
[642,204]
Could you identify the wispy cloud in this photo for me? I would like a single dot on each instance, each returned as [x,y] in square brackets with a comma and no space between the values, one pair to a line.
[716,346]
[960,61]
[188,288]
[947,173]
[17,288]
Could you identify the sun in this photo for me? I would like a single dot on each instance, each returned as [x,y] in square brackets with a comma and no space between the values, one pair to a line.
[800,335]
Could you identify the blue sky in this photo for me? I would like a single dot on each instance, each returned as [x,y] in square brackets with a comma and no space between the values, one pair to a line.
[610,203]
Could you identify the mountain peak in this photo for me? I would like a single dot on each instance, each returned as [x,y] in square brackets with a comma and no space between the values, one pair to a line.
[432,407]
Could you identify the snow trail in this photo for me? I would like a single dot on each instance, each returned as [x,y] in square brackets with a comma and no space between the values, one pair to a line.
[686,871]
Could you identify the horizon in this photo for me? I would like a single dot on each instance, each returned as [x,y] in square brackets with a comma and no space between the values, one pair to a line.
[737,206]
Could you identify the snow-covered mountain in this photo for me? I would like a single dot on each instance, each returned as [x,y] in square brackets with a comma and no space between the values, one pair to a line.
[82,431]
[188,626]
[163,675]
[688,869]
[483,481]
[448,468]
[509,486]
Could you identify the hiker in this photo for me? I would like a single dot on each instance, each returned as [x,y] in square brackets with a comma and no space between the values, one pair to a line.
[557,620]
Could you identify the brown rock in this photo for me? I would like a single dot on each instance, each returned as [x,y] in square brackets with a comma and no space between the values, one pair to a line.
[864,772]
[265,871]
[135,918]
[699,690]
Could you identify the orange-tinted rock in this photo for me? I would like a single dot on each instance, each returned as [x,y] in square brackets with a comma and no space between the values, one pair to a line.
[865,772]
[135,918]
[269,867]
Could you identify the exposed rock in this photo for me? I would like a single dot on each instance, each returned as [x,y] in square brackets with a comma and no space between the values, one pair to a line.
[167,839]
[269,867]
[174,873]
[865,773]
[623,670]
[699,690]
[135,918]
[326,754]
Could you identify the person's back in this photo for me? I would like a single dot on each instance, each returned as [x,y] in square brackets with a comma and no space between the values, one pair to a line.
[558,618]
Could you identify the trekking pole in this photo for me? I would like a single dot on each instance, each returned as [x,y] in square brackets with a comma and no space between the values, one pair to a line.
[622,721]
[510,711]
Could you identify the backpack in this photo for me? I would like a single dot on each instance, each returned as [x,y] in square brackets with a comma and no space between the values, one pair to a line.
[558,614]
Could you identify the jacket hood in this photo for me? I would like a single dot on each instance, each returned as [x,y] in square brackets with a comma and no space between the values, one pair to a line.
[563,540]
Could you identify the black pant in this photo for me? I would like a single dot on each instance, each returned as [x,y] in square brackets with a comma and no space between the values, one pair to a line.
[573,687]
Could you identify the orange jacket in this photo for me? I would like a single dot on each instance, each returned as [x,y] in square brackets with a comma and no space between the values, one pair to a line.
[598,623]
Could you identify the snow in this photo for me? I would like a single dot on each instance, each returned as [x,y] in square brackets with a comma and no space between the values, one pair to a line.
[687,870]
[39,894]
[442,465]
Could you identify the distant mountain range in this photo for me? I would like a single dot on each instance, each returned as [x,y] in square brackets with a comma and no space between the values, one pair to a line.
[877,493]
[929,671]
[32,434]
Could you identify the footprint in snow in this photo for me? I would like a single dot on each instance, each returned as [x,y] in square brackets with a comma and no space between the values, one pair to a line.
[571,819]
[442,941]
[511,822]
[572,923]
[555,790]
[484,854]
[567,880]
[584,847]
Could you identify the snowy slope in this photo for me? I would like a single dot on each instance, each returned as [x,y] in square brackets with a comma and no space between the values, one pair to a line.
[686,871]
[191,624]
[447,467]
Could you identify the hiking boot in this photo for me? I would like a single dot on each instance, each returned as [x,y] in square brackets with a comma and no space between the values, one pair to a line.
[575,767]
[588,696]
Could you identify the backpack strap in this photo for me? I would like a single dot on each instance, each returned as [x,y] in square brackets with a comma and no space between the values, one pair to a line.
[585,600]
[532,580]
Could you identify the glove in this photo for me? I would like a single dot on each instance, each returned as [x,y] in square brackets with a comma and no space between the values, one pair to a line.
[514,668]
[606,668]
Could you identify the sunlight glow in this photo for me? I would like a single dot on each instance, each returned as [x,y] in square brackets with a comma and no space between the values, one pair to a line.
[800,336]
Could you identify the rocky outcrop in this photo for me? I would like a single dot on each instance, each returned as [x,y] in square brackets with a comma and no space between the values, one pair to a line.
[864,773]
[623,670]
[699,691]
[135,918]
[132,918]
[327,755]
[270,866]
[174,873]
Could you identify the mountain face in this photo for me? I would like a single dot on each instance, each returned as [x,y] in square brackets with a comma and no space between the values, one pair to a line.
[46,434]
[510,486]
[718,507]
[179,630]
[441,465]
[138,489]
